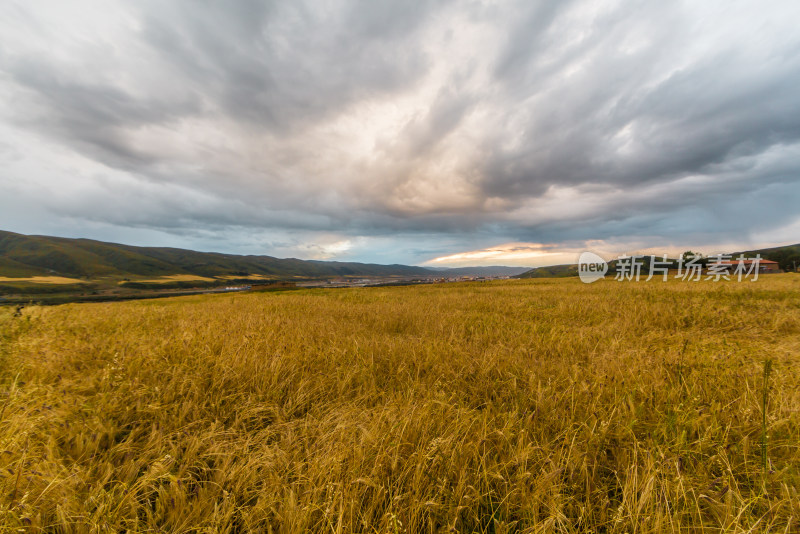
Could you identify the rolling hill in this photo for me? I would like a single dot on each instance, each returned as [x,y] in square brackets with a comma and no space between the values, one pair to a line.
[551,271]
[788,258]
[26,256]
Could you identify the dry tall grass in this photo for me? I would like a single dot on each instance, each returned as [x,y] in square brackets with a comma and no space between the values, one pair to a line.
[521,406]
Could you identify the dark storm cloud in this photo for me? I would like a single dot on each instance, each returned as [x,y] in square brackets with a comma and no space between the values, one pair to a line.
[525,120]
[93,117]
[714,109]
[285,65]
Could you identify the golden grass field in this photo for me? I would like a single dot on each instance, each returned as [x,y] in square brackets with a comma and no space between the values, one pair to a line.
[176,278]
[42,280]
[247,277]
[518,406]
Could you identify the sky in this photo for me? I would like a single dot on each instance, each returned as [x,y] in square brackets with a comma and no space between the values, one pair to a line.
[443,133]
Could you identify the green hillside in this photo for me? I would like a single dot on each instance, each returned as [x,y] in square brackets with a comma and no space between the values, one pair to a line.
[551,271]
[788,258]
[23,255]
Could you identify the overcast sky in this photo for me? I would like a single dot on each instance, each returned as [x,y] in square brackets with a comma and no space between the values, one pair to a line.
[451,133]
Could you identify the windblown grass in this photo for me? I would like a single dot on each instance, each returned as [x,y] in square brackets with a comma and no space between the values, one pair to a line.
[520,406]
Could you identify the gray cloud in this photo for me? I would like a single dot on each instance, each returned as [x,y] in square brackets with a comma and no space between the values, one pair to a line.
[282,66]
[463,122]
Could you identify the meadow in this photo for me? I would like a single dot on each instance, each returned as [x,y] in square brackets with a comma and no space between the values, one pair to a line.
[42,280]
[511,406]
[177,278]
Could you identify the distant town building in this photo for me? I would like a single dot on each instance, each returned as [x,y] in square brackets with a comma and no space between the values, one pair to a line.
[764,266]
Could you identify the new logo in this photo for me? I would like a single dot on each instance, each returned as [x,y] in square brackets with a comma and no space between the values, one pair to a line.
[591,267]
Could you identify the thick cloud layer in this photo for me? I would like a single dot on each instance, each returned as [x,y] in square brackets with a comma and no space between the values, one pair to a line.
[401,131]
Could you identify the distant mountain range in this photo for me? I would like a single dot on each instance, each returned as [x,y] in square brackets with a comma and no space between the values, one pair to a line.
[32,255]
[788,258]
